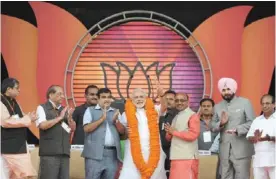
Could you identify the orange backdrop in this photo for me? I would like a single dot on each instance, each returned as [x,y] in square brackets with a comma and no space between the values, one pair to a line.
[244,53]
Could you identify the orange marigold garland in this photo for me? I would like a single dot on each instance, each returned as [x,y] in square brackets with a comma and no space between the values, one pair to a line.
[146,168]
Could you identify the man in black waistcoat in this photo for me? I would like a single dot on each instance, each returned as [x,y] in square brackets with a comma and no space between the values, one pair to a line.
[168,101]
[14,125]
[91,100]
[55,124]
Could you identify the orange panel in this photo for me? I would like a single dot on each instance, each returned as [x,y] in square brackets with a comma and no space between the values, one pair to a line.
[258,59]
[21,60]
[221,37]
[58,33]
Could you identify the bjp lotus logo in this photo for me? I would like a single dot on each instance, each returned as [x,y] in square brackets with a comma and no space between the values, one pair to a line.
[136,44]
[139,76]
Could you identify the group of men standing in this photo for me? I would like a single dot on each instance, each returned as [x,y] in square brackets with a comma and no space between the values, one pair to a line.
[161,142]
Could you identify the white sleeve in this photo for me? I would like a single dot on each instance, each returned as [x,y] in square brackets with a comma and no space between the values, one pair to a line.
[123,119]
[252,129]
[41,115]
[87,118]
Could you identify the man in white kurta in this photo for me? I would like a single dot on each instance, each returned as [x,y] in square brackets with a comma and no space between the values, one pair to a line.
[129,170]
[262,133]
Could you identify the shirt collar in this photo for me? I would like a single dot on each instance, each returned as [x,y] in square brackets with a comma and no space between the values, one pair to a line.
[171,111]
[54,105]
[271,116]
[87,105]
[99,107]
[201,117]
[185,110]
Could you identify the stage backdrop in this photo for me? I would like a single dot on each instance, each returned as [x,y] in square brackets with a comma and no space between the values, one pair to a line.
[51,43]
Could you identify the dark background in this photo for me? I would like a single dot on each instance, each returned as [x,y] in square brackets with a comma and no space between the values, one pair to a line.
[190,14]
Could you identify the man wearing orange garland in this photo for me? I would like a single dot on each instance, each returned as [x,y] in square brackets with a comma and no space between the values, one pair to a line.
[144,158]
[183,132]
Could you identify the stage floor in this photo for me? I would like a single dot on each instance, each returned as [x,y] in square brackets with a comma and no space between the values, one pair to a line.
[207,165]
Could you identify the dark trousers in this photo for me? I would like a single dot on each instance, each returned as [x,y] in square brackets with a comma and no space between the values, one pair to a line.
[54,167]
[167,161]
[218,173]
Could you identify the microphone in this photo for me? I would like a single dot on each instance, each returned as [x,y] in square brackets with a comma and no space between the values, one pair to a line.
[151,86]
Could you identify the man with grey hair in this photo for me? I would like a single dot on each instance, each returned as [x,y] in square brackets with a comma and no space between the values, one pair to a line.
[55,125]
[143,157]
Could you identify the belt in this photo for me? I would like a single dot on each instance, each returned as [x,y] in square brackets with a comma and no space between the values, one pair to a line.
[110,147]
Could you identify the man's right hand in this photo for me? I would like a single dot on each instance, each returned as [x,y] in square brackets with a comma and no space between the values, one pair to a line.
[103,118]
[224,118]
[62,113]
[253,139]
[258,134]
[169,129]
[33,116]
[257,137]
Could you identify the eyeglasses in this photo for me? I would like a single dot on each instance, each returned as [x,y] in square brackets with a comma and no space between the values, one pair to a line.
[181,100]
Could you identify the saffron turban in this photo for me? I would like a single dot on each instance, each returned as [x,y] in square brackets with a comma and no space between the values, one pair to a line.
[225,83]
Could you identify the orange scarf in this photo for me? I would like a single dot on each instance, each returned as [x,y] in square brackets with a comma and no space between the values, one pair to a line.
[146,168]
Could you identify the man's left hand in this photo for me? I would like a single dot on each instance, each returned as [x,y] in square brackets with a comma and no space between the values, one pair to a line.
[71,122]
[115,116]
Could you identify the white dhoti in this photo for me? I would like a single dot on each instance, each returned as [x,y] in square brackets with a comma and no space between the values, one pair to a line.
[4,169]
[129,170]
[264,173]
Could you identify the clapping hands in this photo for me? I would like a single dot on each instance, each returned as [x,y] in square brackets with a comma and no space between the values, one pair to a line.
[33,116]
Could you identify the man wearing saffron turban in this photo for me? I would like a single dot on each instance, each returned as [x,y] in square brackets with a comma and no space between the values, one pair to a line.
[233,117]
[144,157]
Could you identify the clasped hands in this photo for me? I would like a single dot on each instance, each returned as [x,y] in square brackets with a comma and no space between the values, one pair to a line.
[119,126]
[68,113]
[258,137]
